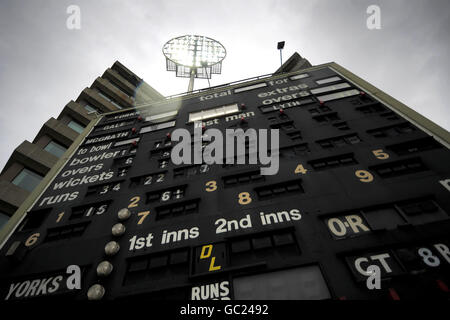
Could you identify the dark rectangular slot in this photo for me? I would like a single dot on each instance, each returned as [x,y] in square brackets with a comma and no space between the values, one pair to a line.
[392,131]
[414,146]
[399,168]
[333,162]
[328,117]
[66,232]
[375,107]
[296,150]
[34,219]
[280,189]
[177,209]
[340,141]
[247,177]
[156,266]
[260,246]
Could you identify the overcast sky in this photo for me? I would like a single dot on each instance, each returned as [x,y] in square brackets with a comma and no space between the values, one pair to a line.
[44,65]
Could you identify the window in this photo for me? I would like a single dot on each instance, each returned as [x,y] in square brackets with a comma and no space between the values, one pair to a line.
[78,127]
[3,219]
[109,99]
[120,89]
[90,109]
[55,149]
[330,88]
[27,179]
[248,88]
[338,95]
[328,80]
[213,113]
[304,283]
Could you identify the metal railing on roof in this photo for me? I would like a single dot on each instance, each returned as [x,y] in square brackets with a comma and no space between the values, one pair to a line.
[212,88]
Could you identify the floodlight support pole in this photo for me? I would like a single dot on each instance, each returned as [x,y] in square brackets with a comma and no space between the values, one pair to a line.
[281,57]
[191,80]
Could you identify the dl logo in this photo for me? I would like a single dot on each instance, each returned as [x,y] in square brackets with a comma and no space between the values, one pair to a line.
[210,258]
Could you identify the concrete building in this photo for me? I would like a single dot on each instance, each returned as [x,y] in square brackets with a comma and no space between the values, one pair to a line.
[118,88]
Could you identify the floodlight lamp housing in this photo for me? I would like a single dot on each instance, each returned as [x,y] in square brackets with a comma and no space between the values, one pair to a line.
[194,56]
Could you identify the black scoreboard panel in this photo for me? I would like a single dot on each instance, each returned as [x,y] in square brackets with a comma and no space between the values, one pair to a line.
[357,185]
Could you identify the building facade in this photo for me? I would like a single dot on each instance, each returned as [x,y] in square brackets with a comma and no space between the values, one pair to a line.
[118,88]
[359,208]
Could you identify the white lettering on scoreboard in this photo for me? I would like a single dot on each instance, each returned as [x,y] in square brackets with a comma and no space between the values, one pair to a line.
[82,157]
[46,285]
[211,291]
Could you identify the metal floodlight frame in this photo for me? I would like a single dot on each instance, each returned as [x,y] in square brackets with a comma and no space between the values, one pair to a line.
[190,45]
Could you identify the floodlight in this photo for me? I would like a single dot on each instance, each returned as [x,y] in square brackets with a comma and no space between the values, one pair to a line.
[193,56]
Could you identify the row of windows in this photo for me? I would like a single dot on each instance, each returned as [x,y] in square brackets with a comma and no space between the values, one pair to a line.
[75,125]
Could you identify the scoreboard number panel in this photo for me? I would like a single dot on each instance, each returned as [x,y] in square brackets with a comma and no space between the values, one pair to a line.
[380,154]
[300,169]
[244,198]
[210,258]
[134,202]
[211,186]
[364,176]
[60,216]
[342,227]
[142,216]
[32,239]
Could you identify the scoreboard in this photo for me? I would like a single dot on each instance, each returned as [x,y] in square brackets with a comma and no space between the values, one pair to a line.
[359,187]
